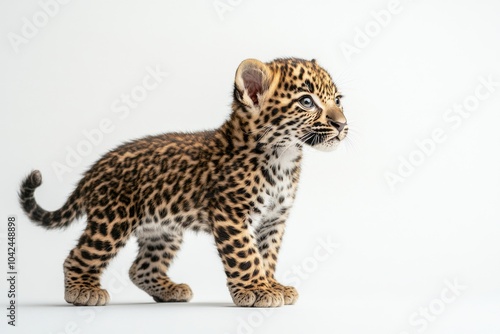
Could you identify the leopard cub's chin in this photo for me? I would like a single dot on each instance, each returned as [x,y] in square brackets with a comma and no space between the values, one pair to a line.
[328,146]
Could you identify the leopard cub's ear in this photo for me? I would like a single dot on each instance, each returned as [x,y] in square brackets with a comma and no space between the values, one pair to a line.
[252,81]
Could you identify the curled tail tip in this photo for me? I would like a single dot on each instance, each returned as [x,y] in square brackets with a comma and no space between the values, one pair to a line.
[48,219]
[34,179]
[30,183]
[28,186]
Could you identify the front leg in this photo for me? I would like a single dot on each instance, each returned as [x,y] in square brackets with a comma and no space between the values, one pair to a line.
[243,264]
[269,237]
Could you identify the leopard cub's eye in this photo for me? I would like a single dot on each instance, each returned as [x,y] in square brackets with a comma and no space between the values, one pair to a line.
[337,101]
[307,102]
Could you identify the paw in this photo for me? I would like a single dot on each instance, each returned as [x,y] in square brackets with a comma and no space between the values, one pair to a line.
[290,294]
[174,293]
[86,296]
[258,297]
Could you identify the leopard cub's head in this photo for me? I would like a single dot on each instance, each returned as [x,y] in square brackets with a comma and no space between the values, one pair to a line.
[290,101]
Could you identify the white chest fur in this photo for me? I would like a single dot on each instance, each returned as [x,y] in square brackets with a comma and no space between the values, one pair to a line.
[276,198]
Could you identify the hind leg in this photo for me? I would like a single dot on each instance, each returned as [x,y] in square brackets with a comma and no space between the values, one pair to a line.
[99,243]
[148,271]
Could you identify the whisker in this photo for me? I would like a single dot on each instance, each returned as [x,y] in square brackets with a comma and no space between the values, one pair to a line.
[351,144]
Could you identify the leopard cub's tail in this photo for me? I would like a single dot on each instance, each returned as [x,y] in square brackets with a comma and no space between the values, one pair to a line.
[70,211]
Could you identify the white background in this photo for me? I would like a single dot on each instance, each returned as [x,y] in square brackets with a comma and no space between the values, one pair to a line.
[396,247]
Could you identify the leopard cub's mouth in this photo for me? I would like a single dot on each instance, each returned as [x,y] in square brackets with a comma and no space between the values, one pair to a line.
[324,142]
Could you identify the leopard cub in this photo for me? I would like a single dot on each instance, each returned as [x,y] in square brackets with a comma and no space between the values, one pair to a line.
[237,182]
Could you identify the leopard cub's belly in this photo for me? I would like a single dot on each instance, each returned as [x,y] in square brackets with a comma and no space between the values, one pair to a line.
[153,226]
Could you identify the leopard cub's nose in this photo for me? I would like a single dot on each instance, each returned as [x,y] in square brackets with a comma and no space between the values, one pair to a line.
[338,125]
